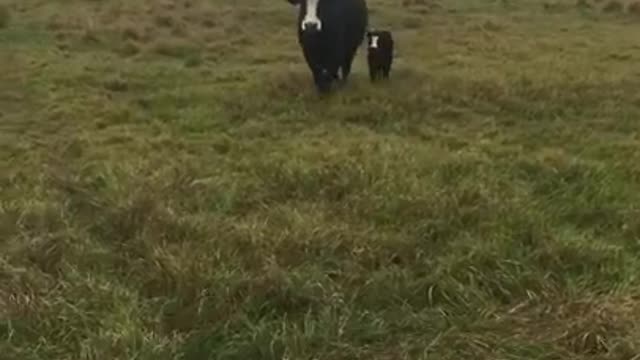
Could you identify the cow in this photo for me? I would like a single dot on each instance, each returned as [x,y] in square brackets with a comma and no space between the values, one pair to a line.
[329,33]
[379,53]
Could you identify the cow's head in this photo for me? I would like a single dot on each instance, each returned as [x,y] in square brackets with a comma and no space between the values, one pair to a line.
[310,21]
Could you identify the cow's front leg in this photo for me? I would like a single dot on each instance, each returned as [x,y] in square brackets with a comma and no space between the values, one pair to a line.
[322,79]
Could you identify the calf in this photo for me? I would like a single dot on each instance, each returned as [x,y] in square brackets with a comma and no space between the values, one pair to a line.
[380,53]
[329,33]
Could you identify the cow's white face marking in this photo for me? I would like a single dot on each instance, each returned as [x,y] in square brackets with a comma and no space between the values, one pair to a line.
[311,18]
[374,42]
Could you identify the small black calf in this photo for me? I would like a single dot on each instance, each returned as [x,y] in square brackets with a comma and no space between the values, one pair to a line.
[380,53]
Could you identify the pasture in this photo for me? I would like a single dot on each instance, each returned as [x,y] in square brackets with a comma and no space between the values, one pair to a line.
[172,186]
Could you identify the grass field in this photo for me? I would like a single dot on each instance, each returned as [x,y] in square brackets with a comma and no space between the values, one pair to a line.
[172,187]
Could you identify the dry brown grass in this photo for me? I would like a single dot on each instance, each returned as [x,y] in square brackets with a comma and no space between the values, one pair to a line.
[634,8]
[613,6]
[556,6]
[583,4]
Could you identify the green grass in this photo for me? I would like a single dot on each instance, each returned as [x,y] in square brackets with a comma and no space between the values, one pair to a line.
[171,186]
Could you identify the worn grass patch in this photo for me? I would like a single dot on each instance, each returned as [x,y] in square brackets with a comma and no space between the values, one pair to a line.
[172,187]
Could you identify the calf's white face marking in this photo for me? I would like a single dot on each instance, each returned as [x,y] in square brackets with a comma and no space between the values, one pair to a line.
[374,42]
[311,18]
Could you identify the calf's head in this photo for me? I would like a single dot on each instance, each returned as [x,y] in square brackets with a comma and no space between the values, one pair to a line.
[310,23]
[372,39]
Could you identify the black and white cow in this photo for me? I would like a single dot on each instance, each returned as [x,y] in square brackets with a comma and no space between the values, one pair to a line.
[330,32]
[379,53]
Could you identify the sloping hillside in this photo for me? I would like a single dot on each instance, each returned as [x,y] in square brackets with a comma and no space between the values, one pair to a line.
[171,186]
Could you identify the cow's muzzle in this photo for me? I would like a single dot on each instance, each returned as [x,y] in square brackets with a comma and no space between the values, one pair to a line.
[311,26]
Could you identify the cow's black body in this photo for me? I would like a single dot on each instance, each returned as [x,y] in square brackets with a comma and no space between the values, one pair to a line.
[379,54]
[332,48]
